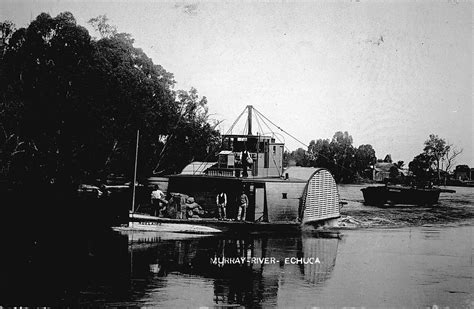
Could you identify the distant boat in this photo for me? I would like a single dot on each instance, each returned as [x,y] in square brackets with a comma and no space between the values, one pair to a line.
[394,194]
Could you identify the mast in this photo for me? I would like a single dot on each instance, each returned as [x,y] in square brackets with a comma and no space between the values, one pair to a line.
[249,119]
[135,173]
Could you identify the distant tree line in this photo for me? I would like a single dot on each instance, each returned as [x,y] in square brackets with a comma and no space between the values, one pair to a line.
[347,163]
[71,105]
[338,155]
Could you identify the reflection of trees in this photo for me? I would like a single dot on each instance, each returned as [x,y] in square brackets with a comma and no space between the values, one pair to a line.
[244,284]
[79,272]
[125,270]
[237,283]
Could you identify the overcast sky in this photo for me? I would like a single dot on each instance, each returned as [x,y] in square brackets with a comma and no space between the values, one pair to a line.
[388,72]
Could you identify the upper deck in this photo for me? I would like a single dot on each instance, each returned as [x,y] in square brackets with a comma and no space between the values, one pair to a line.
[266,154]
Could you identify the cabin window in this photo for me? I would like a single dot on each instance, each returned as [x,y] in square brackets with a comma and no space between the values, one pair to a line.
[284,196]
[274,149]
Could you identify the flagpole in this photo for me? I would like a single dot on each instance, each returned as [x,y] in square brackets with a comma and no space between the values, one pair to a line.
[135,173]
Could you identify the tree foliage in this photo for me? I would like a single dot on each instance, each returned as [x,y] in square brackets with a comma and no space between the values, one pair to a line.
[322,155]
[338,155]
[436,148]
[344,157]
[436,152]
[421,167]
[70,105]
[365,159]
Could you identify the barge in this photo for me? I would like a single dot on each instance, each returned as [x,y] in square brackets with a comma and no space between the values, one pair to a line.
[392,194]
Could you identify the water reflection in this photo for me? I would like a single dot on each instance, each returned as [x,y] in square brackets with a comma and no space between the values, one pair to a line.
[244,271]
[431,233]
[407,267]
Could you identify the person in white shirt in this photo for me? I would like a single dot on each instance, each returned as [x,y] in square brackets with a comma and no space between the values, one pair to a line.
[157,198]
[243,204]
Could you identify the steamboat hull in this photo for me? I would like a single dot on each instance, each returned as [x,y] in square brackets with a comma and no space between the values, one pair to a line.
[142,223]
[139,222]
[276,205]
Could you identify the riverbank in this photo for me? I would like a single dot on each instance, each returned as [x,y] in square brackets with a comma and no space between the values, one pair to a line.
[452,208]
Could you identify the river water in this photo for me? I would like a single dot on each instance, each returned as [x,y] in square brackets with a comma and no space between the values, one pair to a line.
[428,265]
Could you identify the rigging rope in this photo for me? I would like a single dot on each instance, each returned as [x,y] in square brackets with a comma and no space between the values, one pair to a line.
[235,122]
[311,153]
[280,128]
[258,115]
[228,131]
[245,130]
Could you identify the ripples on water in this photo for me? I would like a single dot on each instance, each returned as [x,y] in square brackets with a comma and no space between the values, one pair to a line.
[405,267]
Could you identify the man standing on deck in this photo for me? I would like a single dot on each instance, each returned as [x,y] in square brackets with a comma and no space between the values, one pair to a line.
[243,203]
[246,160]
[221,201]
[157,198]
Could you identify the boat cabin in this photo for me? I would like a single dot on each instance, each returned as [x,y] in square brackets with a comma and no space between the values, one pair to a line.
[266,155]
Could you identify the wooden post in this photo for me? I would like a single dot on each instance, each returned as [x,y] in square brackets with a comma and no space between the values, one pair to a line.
[135,173]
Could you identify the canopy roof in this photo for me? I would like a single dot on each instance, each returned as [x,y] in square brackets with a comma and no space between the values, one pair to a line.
[197,168]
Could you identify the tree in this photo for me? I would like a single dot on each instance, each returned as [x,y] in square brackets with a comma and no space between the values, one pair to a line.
[100,25]
[192,138]
[7,28]
[42,70]
[421,167]
[436,148]
[70,105]
[393,172]
[321,154]
[399,164]
[365,158]
[344,154]
[340,157]
[300,157]
[450,157]
[462,169]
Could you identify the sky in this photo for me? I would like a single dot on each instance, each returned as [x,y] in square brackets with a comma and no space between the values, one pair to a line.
[389,72]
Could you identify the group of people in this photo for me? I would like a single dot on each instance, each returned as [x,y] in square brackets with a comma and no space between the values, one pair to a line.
[180,206]
[243,202]
[191,209]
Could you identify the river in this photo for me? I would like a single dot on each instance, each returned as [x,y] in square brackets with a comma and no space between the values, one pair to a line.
[412,265]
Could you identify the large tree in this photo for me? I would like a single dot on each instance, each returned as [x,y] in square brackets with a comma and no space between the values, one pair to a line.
[299,156]
[192,138]
[70,105]
[338,155]
[365,158]
[436,148]
[421,166]
[436,152]
[344,156]
[321,153]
